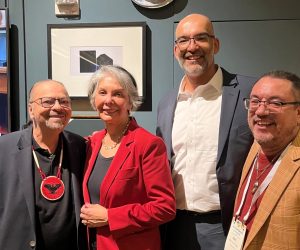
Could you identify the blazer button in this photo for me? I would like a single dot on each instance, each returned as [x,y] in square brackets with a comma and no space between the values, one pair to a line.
[32,243]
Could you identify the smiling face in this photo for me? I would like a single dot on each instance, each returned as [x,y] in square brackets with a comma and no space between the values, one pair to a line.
[55,118]
[198,58]
[273,131]
[112,101]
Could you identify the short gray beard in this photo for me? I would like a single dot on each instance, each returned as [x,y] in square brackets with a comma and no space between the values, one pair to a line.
[56,125]
[196,71]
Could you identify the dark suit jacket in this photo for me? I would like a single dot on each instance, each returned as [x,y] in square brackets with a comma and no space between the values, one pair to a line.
[17,205]
[137,191]
[235,137]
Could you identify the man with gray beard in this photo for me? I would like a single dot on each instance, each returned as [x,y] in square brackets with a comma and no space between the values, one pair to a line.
[40,177]
[204,126]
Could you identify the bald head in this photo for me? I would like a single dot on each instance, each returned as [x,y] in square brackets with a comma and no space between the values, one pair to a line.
[193,22]
[45,84]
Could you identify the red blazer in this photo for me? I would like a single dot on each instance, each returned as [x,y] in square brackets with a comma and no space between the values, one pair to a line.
[137,190]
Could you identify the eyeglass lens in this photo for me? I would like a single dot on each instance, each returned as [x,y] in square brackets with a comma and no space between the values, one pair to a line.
[49,102]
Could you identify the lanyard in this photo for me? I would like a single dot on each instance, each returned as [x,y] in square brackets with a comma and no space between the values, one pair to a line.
[52,187]
[261,188]
[43,175]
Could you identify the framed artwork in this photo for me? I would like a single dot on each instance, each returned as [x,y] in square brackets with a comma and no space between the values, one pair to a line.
[76,51]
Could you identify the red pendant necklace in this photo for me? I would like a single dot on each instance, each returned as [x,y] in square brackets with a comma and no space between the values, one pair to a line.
[52,187]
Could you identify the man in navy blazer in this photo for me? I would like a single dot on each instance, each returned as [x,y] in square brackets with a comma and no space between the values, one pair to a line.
[40,177]
[204,125]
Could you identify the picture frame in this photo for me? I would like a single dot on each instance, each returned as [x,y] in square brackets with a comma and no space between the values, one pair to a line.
[76,51]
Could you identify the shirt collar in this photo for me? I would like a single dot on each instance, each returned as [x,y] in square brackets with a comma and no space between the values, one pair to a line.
[36,147]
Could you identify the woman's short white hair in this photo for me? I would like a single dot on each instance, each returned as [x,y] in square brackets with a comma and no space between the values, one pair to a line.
[125,79]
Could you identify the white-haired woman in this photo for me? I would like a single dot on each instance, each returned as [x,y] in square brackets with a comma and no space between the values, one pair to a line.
[127,187]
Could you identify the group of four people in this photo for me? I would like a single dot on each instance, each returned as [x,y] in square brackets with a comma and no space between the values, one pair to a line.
[124,188]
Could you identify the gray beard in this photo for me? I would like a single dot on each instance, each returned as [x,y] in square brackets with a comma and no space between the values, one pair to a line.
[197,70]
[56,125]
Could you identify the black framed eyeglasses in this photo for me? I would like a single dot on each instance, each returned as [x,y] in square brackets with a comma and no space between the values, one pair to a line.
[49,102]
[183,42]
[253,104]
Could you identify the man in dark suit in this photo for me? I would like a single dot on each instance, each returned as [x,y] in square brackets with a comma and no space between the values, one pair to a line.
[40,177]
[204,126]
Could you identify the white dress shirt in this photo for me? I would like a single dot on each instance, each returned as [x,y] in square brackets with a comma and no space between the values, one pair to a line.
[195,137]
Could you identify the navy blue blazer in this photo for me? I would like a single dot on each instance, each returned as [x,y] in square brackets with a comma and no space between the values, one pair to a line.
[235,138]
[17,205]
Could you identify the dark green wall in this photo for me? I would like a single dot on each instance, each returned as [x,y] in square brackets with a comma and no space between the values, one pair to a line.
[255,35]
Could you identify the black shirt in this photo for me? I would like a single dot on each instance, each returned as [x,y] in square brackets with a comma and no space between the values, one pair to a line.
[95,180]
[55,220]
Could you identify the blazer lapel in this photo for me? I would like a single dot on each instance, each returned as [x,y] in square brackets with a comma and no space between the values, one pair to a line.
[167,115]
[247,166]
[75,173]
[248,163]
[276,188]
[229,99]
[24,157]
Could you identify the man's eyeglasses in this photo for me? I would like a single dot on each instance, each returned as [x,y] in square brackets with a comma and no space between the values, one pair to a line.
[49,102]
[253,104]
[183,42]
